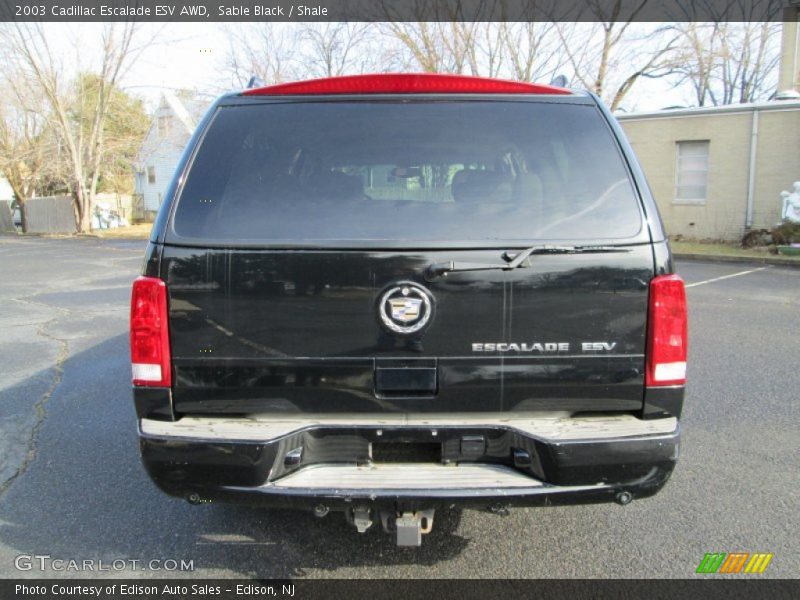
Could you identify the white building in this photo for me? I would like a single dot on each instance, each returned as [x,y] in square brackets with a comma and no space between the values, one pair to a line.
[6,193]
[173,124]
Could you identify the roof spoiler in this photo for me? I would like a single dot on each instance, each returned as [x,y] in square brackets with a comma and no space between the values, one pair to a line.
[404,83]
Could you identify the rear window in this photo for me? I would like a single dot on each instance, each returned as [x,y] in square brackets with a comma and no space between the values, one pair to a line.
[410,171]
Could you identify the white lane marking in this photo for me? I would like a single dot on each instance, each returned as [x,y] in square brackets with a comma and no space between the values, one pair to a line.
[724,277]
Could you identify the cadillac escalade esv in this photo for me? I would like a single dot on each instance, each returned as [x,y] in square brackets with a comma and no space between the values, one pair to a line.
[387,294]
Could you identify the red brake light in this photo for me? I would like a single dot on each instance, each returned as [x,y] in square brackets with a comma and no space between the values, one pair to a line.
[667,332]
[405,83]
[150,355]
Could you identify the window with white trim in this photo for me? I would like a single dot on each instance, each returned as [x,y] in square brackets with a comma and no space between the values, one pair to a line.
[691,172]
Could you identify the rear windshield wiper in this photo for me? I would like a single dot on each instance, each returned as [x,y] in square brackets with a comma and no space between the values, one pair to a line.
[515,261]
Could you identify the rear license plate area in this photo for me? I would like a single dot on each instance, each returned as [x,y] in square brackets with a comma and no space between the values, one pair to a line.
[406,378]
[406,452]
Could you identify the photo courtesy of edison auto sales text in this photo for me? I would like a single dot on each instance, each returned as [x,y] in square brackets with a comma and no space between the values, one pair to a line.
[165,590]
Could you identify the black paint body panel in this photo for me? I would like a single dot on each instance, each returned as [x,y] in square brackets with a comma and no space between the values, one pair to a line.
[297,331]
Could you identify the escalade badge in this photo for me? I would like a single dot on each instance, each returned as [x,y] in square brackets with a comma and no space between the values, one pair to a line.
[405,307]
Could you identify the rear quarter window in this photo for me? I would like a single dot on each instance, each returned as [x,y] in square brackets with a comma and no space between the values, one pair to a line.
[407,171]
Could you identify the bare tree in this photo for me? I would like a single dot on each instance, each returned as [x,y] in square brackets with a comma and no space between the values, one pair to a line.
[459,47]
[427,47]
[265,50]
[532,50]
[727,63]
[610,55]
[650,56]
[749,57]
[332,49]
[27,143]
[698,57]
[77,114]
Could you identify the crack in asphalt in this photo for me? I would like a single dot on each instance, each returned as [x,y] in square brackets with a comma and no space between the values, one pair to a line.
[63,353]
[39,406]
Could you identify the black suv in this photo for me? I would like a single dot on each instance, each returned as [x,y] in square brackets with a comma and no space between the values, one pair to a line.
[387,294]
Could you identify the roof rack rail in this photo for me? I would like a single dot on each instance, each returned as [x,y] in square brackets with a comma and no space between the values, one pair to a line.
[255,82]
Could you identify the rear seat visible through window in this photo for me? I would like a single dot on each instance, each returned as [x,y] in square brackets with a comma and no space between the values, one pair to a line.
[428,172]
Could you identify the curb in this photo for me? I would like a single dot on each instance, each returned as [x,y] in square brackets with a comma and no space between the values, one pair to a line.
[722,258]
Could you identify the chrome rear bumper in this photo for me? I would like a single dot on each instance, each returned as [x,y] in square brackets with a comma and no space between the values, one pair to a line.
[543,426]
[522,459]
[410,477]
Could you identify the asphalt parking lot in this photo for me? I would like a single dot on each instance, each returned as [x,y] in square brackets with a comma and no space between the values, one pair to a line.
[71,485]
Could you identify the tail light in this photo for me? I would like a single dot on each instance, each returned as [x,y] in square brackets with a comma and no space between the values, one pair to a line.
[667,332]
[150,355]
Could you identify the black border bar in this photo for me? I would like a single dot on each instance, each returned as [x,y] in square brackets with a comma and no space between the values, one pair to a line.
[707,586]
[204,11]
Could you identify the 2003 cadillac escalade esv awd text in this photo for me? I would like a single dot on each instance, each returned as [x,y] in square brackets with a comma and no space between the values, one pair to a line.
[388,294]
